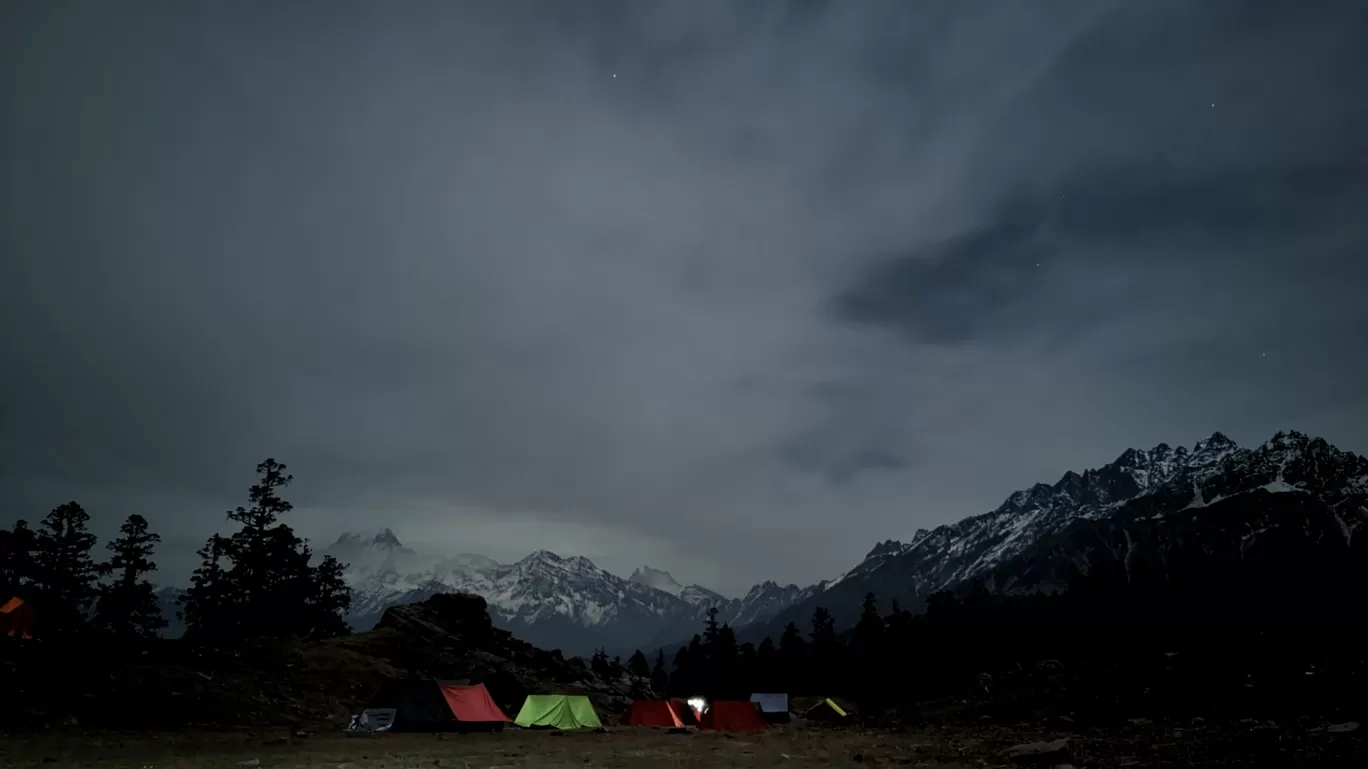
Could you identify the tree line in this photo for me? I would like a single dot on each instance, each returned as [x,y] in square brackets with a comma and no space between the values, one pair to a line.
[257,581]
[1279,631]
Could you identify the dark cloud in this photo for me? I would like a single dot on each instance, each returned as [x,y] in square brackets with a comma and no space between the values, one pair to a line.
[979,285]
[779,271]
[950,292]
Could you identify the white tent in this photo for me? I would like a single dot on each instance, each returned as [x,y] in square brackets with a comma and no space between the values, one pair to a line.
[373,720]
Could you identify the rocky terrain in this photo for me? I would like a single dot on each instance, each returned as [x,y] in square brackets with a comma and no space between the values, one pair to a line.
[450,636]
[1217,496]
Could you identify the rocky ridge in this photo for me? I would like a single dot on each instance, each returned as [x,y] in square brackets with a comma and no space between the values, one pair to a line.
[1291,481]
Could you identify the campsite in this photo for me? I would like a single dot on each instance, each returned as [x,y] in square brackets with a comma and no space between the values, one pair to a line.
[436,683]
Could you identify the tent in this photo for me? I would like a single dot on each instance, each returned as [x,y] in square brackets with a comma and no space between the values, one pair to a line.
[558,711]
[685,711]
[732,716]
[774,708]
[655,713]
[425,705]
[826,710]
[16,618]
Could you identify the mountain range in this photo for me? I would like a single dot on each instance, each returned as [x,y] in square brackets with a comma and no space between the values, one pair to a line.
[549,600]
[1218,497]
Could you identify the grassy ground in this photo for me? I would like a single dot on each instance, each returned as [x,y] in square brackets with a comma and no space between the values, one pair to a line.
[790,748]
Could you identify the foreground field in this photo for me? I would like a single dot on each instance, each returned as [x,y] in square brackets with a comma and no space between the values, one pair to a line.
[1139,745]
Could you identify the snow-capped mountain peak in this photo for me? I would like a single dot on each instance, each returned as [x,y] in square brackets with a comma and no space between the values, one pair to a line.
[660,580]
[764,601]
[1140,489]
[552,600]
[386,538]
[886,548]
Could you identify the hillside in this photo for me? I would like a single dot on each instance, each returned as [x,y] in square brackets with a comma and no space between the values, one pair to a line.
[1217,497]
[181,683]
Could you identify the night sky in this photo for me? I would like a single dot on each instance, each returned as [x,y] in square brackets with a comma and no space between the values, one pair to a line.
[736,289]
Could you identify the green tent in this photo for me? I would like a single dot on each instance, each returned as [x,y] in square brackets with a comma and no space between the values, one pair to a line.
[561,711]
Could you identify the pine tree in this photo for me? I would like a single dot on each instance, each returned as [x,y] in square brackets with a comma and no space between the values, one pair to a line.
[211,606]
[681,679]
[867,665]
[710,627]
[599,663]
[767,673]
[258,580]
[127,607]
[791,644]
[727,680]
[823,629]
[825,651]
[660,677]
[869,629]
[792,660]
[638,664]
[897,625]
[64,574]
[746,668]
[17,567]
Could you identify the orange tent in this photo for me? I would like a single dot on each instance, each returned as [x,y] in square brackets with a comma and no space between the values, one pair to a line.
[653,713]
[472,704]
[732,717]
[16,618]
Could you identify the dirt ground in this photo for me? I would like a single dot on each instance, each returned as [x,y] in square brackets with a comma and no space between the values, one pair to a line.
[621,748]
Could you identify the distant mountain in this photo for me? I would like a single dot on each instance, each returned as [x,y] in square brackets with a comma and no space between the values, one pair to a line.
[660,580]
[549,600]
[1217,497]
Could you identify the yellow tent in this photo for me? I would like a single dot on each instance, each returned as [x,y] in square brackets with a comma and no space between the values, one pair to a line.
[826,710]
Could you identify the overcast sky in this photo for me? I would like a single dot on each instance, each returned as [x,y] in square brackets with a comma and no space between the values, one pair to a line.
[736,289]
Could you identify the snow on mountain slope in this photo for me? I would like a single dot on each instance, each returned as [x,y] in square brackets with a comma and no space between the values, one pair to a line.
[552,601]
[693,595]
[1169,480]
[660,580]
[762,602]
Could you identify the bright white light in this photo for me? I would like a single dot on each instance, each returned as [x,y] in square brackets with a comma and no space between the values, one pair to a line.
[697,703]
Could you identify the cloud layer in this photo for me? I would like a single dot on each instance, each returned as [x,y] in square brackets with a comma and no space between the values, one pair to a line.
[735,289]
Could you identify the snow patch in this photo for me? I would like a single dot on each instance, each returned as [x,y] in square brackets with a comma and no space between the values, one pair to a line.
[660,580]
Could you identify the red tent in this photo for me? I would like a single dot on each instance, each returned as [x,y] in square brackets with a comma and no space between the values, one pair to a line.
[16,618]
[653,713]
[472,704]
[732,717]
[685,711]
